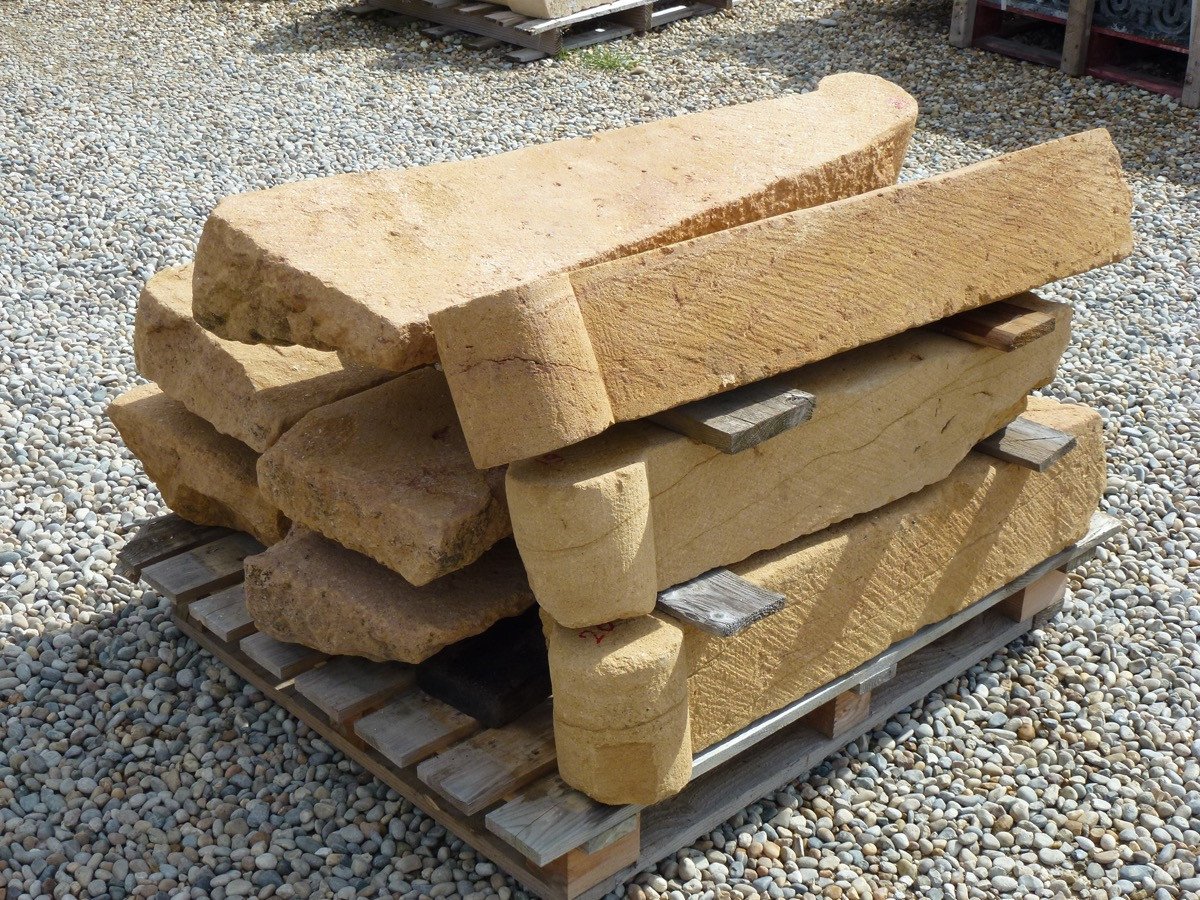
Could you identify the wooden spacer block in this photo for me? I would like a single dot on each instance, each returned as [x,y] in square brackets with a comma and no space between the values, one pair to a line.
[1034,598]
[719,602]
[1077,37]
[744,417]
[1001,325]
[580,870]
[840,714]
[1028,443]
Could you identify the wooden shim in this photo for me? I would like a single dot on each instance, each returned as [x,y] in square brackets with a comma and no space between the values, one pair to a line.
[1001,325]
[481,770]
[1028,443]
[205,570]
[962,23]
[551,819]
[739,419]
[224,613]
[1078,37]
[719,602]
[347,686]
[281,661]
[1191,79]
[412,727]
[161,539]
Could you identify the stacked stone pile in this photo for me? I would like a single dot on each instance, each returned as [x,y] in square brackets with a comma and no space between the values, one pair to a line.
[428,393]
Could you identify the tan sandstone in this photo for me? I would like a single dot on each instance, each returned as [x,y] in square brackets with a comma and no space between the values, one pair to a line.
[357,262]
[308,590]
[386,472]
[852,590]
[204,476]
[604,525]
[558,360]
[550,9]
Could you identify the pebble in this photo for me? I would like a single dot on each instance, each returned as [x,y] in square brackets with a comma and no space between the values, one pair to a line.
[135,765]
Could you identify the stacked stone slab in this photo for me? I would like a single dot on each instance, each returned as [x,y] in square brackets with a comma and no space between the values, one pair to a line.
[568,292]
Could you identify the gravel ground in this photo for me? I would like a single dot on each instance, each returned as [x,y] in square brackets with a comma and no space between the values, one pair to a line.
[133,765]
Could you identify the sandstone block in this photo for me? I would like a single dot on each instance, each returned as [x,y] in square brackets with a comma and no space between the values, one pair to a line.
[252,393]
[603,526]
[852,591]
[308,590]
[358,262]
[386,473]
[539,367]
[204,476]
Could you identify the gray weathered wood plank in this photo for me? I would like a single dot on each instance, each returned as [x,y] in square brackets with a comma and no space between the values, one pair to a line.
[1077,37]
[739,419]
[1028,443]
[962,23]
[1001,325]
[204,570]
[479,771]
[413,727]
[160,539]
[719,602]
[1191,77]
[224,613]
[348,685]
[282,661]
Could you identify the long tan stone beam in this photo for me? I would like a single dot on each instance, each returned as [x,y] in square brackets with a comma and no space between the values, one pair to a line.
[603,526]
[386,472]
[548,364]
[311,591]
[852,591]
[204,476]
[251,393]
[357,262]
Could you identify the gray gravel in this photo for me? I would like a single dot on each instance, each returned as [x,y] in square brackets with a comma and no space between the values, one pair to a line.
[134,765]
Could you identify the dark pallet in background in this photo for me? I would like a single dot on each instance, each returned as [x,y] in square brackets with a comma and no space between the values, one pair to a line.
[533,39]
[498,789]
[1126,44]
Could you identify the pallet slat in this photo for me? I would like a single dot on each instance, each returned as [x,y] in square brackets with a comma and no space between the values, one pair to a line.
[282,661]
[224,613]
[347,686]
[413,727]
[481,770]
[160,539]
[204,570]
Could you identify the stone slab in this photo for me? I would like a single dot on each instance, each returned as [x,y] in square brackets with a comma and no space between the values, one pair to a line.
[250,392]
[386,472]
[605,525]
[204,476]
[358,262]
[308,590]
[545,365]
[853,590]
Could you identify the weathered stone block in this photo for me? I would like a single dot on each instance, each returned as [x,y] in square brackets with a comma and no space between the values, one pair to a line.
[386,472]
[852,591]
[252,393]
[204,476]
[358,262]
[308,590]
[604,525]
[545,365]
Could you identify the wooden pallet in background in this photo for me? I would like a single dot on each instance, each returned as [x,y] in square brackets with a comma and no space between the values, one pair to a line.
[1080,45]
[535,39]
[498,789]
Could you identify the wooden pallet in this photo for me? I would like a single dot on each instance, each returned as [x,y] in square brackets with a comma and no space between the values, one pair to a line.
[1082,47]
[498,789]
[534,39]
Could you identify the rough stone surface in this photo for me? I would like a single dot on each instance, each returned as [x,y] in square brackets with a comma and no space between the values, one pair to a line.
[852,590]
[604,525]
[250,392]
[540,367]
[550,9]
[357,263]
[386,472]
[204,476]
[642,683]
[308,590]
